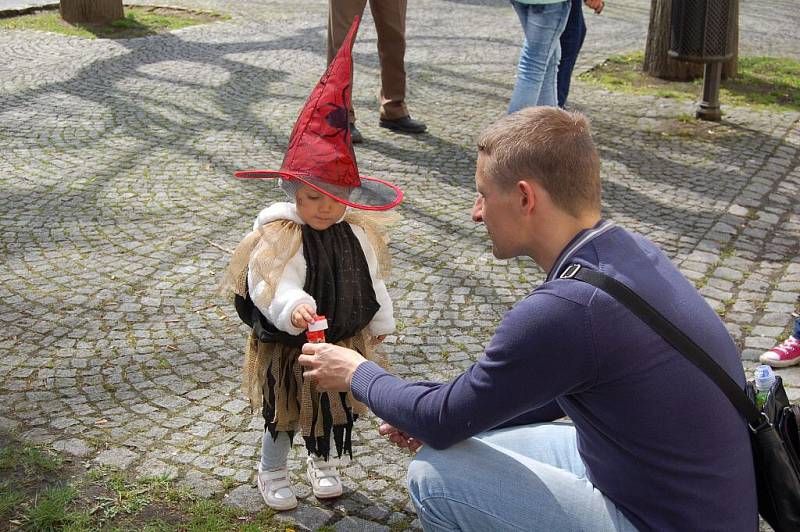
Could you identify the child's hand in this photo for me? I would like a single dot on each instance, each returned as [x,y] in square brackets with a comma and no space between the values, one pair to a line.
[302,315]
[378,339]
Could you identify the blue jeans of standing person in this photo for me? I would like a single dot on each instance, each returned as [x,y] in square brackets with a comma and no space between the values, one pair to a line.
[571,42]
[542,25]
[522,478]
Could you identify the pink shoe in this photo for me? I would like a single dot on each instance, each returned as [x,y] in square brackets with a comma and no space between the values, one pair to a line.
[784,354]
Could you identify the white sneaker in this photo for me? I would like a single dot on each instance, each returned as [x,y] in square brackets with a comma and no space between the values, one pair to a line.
[276,489]
[324,478]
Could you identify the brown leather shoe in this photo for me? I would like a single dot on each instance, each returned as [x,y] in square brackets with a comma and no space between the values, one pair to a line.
[355,135]
[405,124]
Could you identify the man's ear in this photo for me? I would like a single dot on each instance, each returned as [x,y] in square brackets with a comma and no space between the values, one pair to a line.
[527,196]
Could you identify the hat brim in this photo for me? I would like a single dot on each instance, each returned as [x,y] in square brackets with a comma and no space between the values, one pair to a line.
[373,195]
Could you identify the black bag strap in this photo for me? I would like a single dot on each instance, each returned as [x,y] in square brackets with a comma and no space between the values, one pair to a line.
[672,335]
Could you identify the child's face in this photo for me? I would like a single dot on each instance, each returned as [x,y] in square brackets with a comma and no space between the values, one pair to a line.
[316,209]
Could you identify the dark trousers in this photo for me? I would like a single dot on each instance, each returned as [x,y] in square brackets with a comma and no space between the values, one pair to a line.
[571,42]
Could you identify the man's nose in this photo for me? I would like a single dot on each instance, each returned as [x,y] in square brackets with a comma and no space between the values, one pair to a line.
[477,210]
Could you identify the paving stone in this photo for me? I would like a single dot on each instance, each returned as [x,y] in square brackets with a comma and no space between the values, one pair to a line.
[236,406]
[38,435]
[126,149]
[759,342]
[157,468]
[354,524]
[171,402]
[767,331]
[73,446]
[245,497]
[786,308]
[776,319]
[306,517]
[8,425]
[201,485]
[119,458]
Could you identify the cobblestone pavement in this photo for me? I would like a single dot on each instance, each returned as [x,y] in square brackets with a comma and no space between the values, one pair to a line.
[117,207]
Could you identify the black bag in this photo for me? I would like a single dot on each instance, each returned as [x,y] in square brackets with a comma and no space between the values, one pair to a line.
[773,430]
[779,450]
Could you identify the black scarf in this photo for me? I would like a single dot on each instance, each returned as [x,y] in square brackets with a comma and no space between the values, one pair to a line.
[337,277]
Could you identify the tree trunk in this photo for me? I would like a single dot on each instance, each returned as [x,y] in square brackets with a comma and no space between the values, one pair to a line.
[657,62]
[92,11]
[730,68]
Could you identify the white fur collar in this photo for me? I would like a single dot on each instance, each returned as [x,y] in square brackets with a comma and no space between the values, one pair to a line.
[282,210]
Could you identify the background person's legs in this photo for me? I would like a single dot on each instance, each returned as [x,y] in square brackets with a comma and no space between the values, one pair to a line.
[571,42]
[542,25]
[390,24]
[340,18]
[524,478]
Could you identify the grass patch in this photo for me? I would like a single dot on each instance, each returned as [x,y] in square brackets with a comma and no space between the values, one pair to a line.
[766,82]
[10,498]
[399,526]
[139,21]
[41,490]
[125,497]
[51,510]
[29,458]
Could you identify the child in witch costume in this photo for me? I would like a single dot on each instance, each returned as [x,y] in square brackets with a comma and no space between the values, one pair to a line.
[312,257]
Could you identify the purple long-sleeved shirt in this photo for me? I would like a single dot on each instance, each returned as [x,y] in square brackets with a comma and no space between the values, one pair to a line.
[656,435]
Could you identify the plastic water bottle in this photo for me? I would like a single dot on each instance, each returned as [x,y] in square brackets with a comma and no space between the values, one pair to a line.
[765,377]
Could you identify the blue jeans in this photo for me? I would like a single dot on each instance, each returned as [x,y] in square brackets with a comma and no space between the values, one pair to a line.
[521,478]
[542,25]
[571,42]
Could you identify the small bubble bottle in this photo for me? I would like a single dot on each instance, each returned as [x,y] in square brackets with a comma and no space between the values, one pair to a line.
[316,330]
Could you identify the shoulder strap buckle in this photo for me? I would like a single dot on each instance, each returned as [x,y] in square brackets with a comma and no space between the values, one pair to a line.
[570,271]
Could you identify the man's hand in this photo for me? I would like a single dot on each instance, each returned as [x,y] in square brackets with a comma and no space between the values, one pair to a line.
[330,366]
[302,315]
[399,438]
[596,5]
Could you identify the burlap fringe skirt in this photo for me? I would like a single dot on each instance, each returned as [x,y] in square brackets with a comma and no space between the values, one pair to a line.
[273,381]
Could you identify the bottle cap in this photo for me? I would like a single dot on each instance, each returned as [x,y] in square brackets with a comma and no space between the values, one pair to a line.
[319,324]
[764,377]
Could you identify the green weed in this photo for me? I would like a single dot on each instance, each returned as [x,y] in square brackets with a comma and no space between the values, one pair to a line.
[764,82]
[50,510]
[28,457]
[9,499]
[138,22]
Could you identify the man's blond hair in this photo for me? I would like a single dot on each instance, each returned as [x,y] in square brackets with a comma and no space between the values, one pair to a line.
[550,145]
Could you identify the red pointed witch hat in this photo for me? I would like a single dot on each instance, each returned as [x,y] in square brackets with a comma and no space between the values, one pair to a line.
[320,152]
